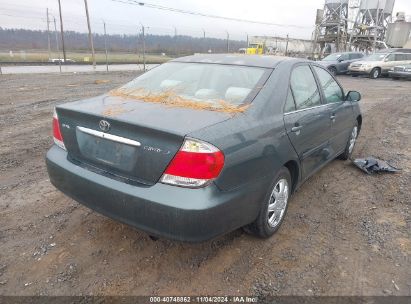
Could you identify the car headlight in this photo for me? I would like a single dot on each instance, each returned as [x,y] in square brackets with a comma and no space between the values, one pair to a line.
[408,70]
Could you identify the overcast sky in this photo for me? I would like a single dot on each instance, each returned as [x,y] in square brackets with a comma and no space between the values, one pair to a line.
[124,18]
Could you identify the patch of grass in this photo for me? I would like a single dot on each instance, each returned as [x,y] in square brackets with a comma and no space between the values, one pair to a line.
[80,57]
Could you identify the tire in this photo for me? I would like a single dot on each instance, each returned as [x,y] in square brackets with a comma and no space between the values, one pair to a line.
[333,71]
[262,227]
[395,78]
[375,73]
[349,148]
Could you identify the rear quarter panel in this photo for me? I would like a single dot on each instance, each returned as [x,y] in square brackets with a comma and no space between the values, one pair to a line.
[255,143]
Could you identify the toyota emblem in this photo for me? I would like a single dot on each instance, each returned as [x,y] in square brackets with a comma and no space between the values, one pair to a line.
[104,125]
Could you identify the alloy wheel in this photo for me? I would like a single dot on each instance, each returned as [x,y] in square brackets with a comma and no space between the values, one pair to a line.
[278,203]
[353,138]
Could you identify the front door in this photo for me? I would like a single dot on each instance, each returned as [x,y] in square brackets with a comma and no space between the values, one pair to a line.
[340,111]
[307,120]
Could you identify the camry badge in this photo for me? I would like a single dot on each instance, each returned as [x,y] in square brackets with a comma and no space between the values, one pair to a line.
[104,125]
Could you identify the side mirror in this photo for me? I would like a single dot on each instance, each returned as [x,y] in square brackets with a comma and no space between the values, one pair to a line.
[340,60]
[353,96]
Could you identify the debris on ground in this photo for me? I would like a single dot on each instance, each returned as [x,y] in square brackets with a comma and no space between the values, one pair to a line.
[100,81]
[372,165]
[172,99]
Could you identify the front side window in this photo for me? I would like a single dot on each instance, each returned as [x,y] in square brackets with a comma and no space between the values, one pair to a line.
[332,91]
[304,88]
[391,57]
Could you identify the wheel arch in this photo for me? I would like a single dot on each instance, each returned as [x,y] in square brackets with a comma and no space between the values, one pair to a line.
[294,170]
[359,121]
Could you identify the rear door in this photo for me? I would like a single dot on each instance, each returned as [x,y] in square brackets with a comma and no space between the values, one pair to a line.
[389,62]
[340,111]
[307,120]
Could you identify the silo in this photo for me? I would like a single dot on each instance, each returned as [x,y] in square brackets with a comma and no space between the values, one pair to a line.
[398,34]
[335,4]
[334,24]
[371,23]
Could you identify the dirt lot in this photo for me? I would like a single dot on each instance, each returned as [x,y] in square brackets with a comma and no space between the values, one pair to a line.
[346,233]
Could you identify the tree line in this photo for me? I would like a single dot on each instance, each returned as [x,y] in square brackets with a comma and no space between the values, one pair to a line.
[23,39]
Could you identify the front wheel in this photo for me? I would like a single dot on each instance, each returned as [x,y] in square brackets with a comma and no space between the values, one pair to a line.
[349,148]
[333,71]
[375,73]
[274,207]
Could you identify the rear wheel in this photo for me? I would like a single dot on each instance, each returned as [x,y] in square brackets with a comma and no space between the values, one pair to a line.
[375,73]
[274,207]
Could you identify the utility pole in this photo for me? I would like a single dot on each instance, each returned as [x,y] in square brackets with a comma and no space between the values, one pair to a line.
[105,45]
[62,32]
[247,40]
[175,40]
[144,48]
[204,41]
[286,47]
[48,33]
[228,42]
[57,43]
[90,36]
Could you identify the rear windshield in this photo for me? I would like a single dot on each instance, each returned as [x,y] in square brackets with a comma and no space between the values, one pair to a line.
[199,83]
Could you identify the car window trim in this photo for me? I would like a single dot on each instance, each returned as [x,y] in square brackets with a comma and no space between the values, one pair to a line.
[306,109]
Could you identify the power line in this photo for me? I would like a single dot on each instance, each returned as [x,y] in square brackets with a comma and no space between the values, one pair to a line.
[194,13]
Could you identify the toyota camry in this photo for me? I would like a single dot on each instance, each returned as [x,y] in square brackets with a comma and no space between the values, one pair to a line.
[205,144]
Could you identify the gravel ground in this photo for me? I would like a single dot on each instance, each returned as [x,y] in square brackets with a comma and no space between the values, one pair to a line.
[346,233]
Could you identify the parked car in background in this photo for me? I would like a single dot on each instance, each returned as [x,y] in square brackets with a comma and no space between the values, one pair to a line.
[57,60]
[203,145]
[338,63]
[401,72]
[379,63]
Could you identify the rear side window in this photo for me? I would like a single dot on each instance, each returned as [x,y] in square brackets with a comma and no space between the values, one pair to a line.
[332,91]
[304,88]
[400,57]
[289,104]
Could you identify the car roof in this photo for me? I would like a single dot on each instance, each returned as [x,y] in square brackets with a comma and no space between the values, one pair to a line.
[263,61]
[395,50]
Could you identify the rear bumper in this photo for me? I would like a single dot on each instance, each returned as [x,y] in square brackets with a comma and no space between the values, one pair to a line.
[161,210]
[400,75]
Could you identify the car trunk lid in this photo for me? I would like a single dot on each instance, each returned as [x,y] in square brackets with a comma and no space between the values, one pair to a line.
[127,139]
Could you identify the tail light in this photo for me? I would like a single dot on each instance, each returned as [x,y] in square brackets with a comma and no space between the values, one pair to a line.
[57,137]
[195,165]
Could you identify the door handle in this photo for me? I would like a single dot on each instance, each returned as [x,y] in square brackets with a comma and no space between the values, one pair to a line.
[296,129]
